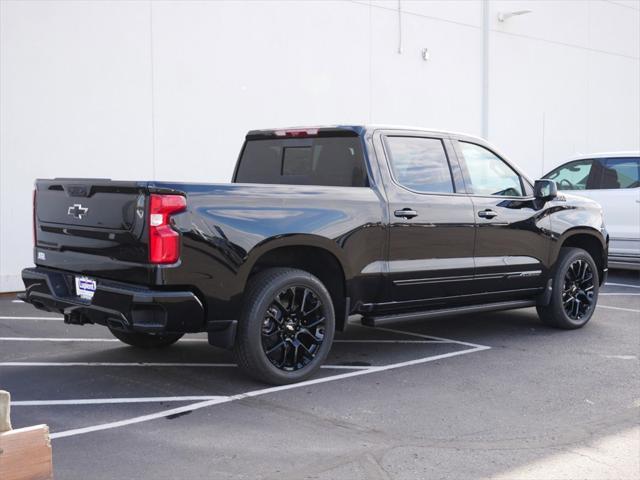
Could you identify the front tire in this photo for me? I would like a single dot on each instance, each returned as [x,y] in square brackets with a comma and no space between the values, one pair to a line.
[575,290]
[286,326]
[146,340]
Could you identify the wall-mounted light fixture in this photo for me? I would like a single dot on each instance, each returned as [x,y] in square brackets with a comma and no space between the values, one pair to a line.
[426,55]
[502,16]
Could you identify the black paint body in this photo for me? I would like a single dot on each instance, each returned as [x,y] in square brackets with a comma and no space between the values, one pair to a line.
[372,260]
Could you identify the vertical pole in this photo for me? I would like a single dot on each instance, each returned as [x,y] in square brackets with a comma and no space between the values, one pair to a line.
[543,141]
[400,26]
[153,94]
[485,70]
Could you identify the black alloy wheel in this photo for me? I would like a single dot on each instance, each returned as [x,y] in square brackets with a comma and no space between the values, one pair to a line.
[574,294]
[293,328]
[286,326]
[577,293]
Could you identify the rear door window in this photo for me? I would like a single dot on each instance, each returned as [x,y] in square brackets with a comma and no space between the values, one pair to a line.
[618,173]
[330,161]
[420,164]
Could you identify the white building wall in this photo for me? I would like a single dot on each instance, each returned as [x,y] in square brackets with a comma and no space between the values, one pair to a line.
[166,90]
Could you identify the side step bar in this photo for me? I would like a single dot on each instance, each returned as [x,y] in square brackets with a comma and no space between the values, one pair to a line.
[377,320]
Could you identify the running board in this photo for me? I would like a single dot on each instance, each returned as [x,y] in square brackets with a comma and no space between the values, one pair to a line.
[377,320]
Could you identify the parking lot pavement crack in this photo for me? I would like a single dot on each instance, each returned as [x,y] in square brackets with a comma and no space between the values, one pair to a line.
[375,468]
[558,441]
[306,416]
[591,458]
[360,464]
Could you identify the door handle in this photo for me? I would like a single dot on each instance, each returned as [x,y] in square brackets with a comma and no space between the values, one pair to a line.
[487,213]
[406,213]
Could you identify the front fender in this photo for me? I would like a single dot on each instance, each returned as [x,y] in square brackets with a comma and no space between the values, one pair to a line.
[574,216]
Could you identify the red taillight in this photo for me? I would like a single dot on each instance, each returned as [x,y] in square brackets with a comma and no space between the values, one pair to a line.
[33,219]
[296,132]
[164,241]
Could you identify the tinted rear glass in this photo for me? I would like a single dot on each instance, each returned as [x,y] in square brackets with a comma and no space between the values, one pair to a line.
[598,174]
[333,161]
[420,164]
[619,173]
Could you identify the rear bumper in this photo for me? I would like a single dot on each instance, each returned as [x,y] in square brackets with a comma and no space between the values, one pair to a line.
[117,305]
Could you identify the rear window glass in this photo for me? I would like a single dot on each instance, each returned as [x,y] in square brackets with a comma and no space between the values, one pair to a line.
[297,161]
[619,173]
[331,161]
[420,164]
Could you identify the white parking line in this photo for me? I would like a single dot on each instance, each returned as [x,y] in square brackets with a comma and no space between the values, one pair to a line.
[443,340]
[393,341]
[620,357]
[102,401]
[76,339]
[618,294]
[53,319]
[618,308]
[348,367]
[115,364]
[200,340]
[622,285]
[153,364]
[257,393]
[43,339]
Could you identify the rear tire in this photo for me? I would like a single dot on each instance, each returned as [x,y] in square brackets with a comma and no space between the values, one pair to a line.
[146,340]
[575,290]
[286,326]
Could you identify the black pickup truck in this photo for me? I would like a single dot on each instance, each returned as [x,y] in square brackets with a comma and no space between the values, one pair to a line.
[318,224]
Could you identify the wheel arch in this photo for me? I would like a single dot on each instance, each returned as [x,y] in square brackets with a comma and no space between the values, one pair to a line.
[312,255]
[591,240]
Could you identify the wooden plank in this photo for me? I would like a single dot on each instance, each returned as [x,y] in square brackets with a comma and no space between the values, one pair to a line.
[5,418]
[25,454]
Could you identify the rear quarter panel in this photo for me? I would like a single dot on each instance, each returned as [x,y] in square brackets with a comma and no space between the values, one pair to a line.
[228,227]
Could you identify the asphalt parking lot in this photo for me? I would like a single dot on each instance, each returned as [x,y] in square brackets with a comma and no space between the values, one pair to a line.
[480,396]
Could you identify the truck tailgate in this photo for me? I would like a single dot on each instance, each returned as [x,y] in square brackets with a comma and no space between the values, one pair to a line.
[94,227]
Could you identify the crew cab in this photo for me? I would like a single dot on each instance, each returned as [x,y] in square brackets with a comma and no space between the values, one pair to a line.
[392,223]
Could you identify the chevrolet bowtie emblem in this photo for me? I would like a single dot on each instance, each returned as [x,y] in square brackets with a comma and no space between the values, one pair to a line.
[77,211]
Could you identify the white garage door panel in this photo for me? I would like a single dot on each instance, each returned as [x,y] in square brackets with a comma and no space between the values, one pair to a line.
[614,28]
[614,103]
[537,115]
[443,93]
[462,11]
[222,68]
[75,101]
[563,21]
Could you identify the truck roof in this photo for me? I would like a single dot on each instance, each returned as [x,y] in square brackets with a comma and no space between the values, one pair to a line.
[584,156]
[346,130]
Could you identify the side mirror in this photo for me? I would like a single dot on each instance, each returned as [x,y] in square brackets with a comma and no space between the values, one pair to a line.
[545,190]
